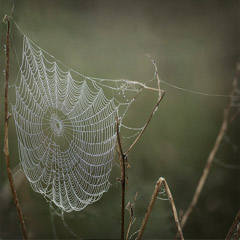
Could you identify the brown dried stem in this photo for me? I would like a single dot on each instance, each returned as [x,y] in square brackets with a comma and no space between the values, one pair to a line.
[130,208]
[123,156]
[157,75]
[147,123]
[151,204]
[160,97]
[123,160]
[237,234]
[6,150]
[234,228]
[225,122]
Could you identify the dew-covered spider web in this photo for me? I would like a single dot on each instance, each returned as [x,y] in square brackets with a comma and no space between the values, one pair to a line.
[66,128]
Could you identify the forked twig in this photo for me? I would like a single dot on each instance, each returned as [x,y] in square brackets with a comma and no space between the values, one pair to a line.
[234,228]
[123,156]
[226,114]
[6,149]
[151,204]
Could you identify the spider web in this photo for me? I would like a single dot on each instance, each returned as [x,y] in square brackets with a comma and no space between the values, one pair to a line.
[66,128]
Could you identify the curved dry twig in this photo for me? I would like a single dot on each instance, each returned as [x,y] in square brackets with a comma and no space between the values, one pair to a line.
[151,204]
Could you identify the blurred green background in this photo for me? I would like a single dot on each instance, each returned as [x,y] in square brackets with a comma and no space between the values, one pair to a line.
[196,46]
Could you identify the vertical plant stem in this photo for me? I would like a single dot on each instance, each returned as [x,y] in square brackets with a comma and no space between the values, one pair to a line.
[123,181]
[6,149]
[151,204]
[123,160]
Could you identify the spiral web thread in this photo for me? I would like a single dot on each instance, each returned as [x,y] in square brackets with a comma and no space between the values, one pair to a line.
[66,128]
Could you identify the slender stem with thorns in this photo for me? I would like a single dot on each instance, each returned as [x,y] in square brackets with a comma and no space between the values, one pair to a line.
[151,204]
[225,122]
[6,150]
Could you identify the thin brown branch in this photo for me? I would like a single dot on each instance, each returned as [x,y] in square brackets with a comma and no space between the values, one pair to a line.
[225,122]
[130,208]
[146,125]
[131,219]
[6,149]
[151,204]
[158,78]
[237,234]
[123,160]
[150,207]
[234,228]
[207,167]
[160,97]
[123,156]
[174,211]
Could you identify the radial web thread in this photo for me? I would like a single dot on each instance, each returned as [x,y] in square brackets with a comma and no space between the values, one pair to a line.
[66,128]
